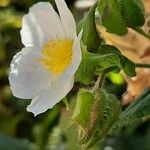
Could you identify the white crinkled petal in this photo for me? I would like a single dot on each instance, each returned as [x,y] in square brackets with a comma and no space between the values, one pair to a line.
[27,76]
[48,20]
[59,88]
[67,19]
[51,95]
[40,25]
[31,32]
[76,58]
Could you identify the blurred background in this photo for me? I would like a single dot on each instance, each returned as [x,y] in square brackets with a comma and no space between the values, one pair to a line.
[19,130]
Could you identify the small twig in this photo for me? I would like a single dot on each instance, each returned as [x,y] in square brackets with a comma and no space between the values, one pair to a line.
[142,65]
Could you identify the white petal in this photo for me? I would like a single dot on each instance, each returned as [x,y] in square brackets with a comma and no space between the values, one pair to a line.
[67,19]
[51,96]
[48,20]
[27,76]
[31,32]
[77,57]
[41,24]
[58,88]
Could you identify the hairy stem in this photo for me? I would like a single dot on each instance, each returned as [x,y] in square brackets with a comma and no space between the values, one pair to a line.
[101,78]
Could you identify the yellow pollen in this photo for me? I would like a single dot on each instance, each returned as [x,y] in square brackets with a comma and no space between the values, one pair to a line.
[57,55]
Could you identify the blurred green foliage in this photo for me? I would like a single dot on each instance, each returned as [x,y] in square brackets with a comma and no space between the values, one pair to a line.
[19,130]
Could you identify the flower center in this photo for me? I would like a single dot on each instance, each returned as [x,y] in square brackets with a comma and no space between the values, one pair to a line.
[57,55]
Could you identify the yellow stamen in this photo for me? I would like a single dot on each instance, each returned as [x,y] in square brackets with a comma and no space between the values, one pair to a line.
[57,55]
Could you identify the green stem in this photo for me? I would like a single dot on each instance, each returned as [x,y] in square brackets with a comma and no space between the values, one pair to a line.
[142,65]
[100,80]
[140,31]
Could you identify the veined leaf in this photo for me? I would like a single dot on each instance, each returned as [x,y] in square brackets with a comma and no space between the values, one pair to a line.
[109,57]
[90,36]
[87,67]
[122,62]
[90,62]
[132,12]
[110,17]
[140,107]
[135,111]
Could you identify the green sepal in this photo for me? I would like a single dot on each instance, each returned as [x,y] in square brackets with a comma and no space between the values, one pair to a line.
[81,114]
[104,113]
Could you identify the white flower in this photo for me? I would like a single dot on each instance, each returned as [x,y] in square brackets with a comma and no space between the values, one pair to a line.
[44,70]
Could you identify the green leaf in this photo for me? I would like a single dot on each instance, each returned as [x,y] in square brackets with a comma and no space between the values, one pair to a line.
[85,100]
[87,67]
[135,111]
[90,62]
[90,36]
[109,58]
[121,61]
[110,17]
[132,12]
[139,108]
